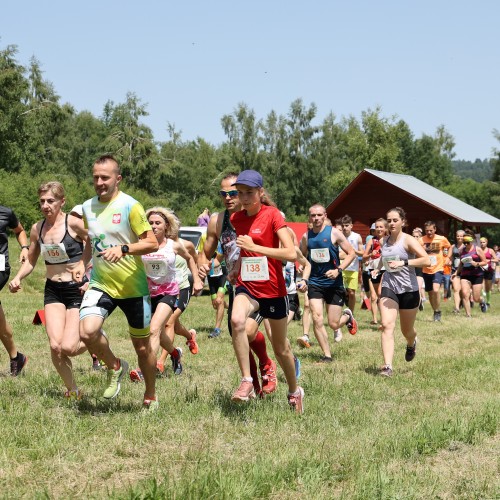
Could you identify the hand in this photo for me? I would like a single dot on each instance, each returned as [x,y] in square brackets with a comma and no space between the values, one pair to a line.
[112,254]
[197,286]
[246,243]
[203,271]
[302,286]
[15,285]
[332,274]
[374,273]
[395,264]
[78,272]
[84,287]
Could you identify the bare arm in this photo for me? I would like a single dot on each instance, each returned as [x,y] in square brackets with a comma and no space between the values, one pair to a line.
[22,239]
[181,250]
[147,244]
[210,245]
[29,264]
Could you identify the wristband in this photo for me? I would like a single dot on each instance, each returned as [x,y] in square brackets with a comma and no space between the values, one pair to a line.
[405,262]
[25,246]
[305,281]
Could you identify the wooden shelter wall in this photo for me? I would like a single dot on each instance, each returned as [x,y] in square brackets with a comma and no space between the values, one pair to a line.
[371,199]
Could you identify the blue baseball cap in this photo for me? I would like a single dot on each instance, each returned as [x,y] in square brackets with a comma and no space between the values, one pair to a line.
[250,178]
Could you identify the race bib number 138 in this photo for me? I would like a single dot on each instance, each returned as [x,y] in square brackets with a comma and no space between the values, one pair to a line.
[254,269]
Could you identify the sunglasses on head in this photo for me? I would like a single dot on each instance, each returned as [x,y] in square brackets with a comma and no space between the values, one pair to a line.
[232,193]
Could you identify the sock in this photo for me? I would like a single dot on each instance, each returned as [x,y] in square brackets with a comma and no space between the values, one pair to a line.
[488,297]
[247,379]
[16,357]
[174,354]
[258,346]
[253,368]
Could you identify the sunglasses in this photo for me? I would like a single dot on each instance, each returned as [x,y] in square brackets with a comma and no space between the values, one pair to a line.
[232,194]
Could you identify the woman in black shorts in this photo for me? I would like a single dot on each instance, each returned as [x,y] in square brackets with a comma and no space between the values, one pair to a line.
[401,253]
[59,238]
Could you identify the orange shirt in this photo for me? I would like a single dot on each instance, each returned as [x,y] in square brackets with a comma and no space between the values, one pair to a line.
[437,249]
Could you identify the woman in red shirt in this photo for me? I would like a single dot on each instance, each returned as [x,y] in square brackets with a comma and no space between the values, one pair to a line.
[264,242]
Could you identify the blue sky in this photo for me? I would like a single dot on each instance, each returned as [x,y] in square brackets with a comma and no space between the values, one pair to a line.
[430,63]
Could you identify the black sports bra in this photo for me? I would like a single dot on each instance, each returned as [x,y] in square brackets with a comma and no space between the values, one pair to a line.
[67,251]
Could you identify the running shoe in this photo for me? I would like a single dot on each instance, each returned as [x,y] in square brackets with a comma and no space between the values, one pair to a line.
[150,405]
[17,364]
[73,395]
[325,359]
[114,380]
[160,368]
[192,344]
[296,400]
[136,375]
[484,307]
[214,333]
[176,362]
[304,341]
[337,335]
[352,324]
[437,315]
[297,363]
[386,371]
[245,392]
[269,379]
[411,350]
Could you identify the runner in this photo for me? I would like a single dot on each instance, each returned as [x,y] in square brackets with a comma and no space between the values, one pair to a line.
[163,283]
[417,234]
[351,272]
[401,253]
[454,258]
[8,220]
[59,238]
[471,274]
[372,257]
[174,326]
[119,233]
[263,240]
[217,279]
[437,247]
[220,230]
[489,272]
[321,245]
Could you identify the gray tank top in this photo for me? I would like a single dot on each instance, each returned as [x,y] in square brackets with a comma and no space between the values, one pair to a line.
[404,278]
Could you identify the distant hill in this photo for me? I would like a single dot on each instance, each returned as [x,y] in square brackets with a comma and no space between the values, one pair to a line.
[479,170]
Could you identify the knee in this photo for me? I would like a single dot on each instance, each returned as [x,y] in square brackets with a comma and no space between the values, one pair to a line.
[238,324]
[56,349]
[143,350]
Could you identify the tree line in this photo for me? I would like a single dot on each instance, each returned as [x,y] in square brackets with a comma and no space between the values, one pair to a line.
[303,160]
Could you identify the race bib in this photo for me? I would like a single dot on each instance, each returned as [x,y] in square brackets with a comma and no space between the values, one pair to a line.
[2,262]
[217,271]
[254,269]
[91,298]
[320,255]
[156,268]
[388,259]
[54,253]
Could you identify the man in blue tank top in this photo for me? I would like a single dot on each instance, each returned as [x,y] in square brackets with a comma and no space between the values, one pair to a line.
[320,245]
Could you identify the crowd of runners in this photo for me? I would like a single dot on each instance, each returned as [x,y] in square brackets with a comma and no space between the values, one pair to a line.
[109,252]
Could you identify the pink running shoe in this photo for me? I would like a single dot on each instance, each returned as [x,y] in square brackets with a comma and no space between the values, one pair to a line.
[269,379]
[192,344]
[296,401]
[245,392]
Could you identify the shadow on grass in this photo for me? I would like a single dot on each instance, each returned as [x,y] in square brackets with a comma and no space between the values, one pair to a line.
[91,405]
[238,411]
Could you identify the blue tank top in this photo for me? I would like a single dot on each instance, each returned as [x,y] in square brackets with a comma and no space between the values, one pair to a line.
[323,256]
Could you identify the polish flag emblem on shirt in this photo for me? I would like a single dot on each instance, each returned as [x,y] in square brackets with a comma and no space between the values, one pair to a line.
[117,218]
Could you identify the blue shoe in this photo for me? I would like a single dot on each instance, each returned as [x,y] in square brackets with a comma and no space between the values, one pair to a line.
[214,333]
[297,364]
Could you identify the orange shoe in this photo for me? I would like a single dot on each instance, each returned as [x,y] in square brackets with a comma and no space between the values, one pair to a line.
[304,341]
[269,379]
[136,375]
[352,324]
[245,392]
[192,344]
[160,368]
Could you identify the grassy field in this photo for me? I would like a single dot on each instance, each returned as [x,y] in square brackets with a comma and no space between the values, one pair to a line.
[431,431]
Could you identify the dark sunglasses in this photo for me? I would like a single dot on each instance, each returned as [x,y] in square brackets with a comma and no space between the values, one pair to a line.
[232,194]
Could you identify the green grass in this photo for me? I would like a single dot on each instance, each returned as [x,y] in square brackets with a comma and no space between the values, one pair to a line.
[429,432]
